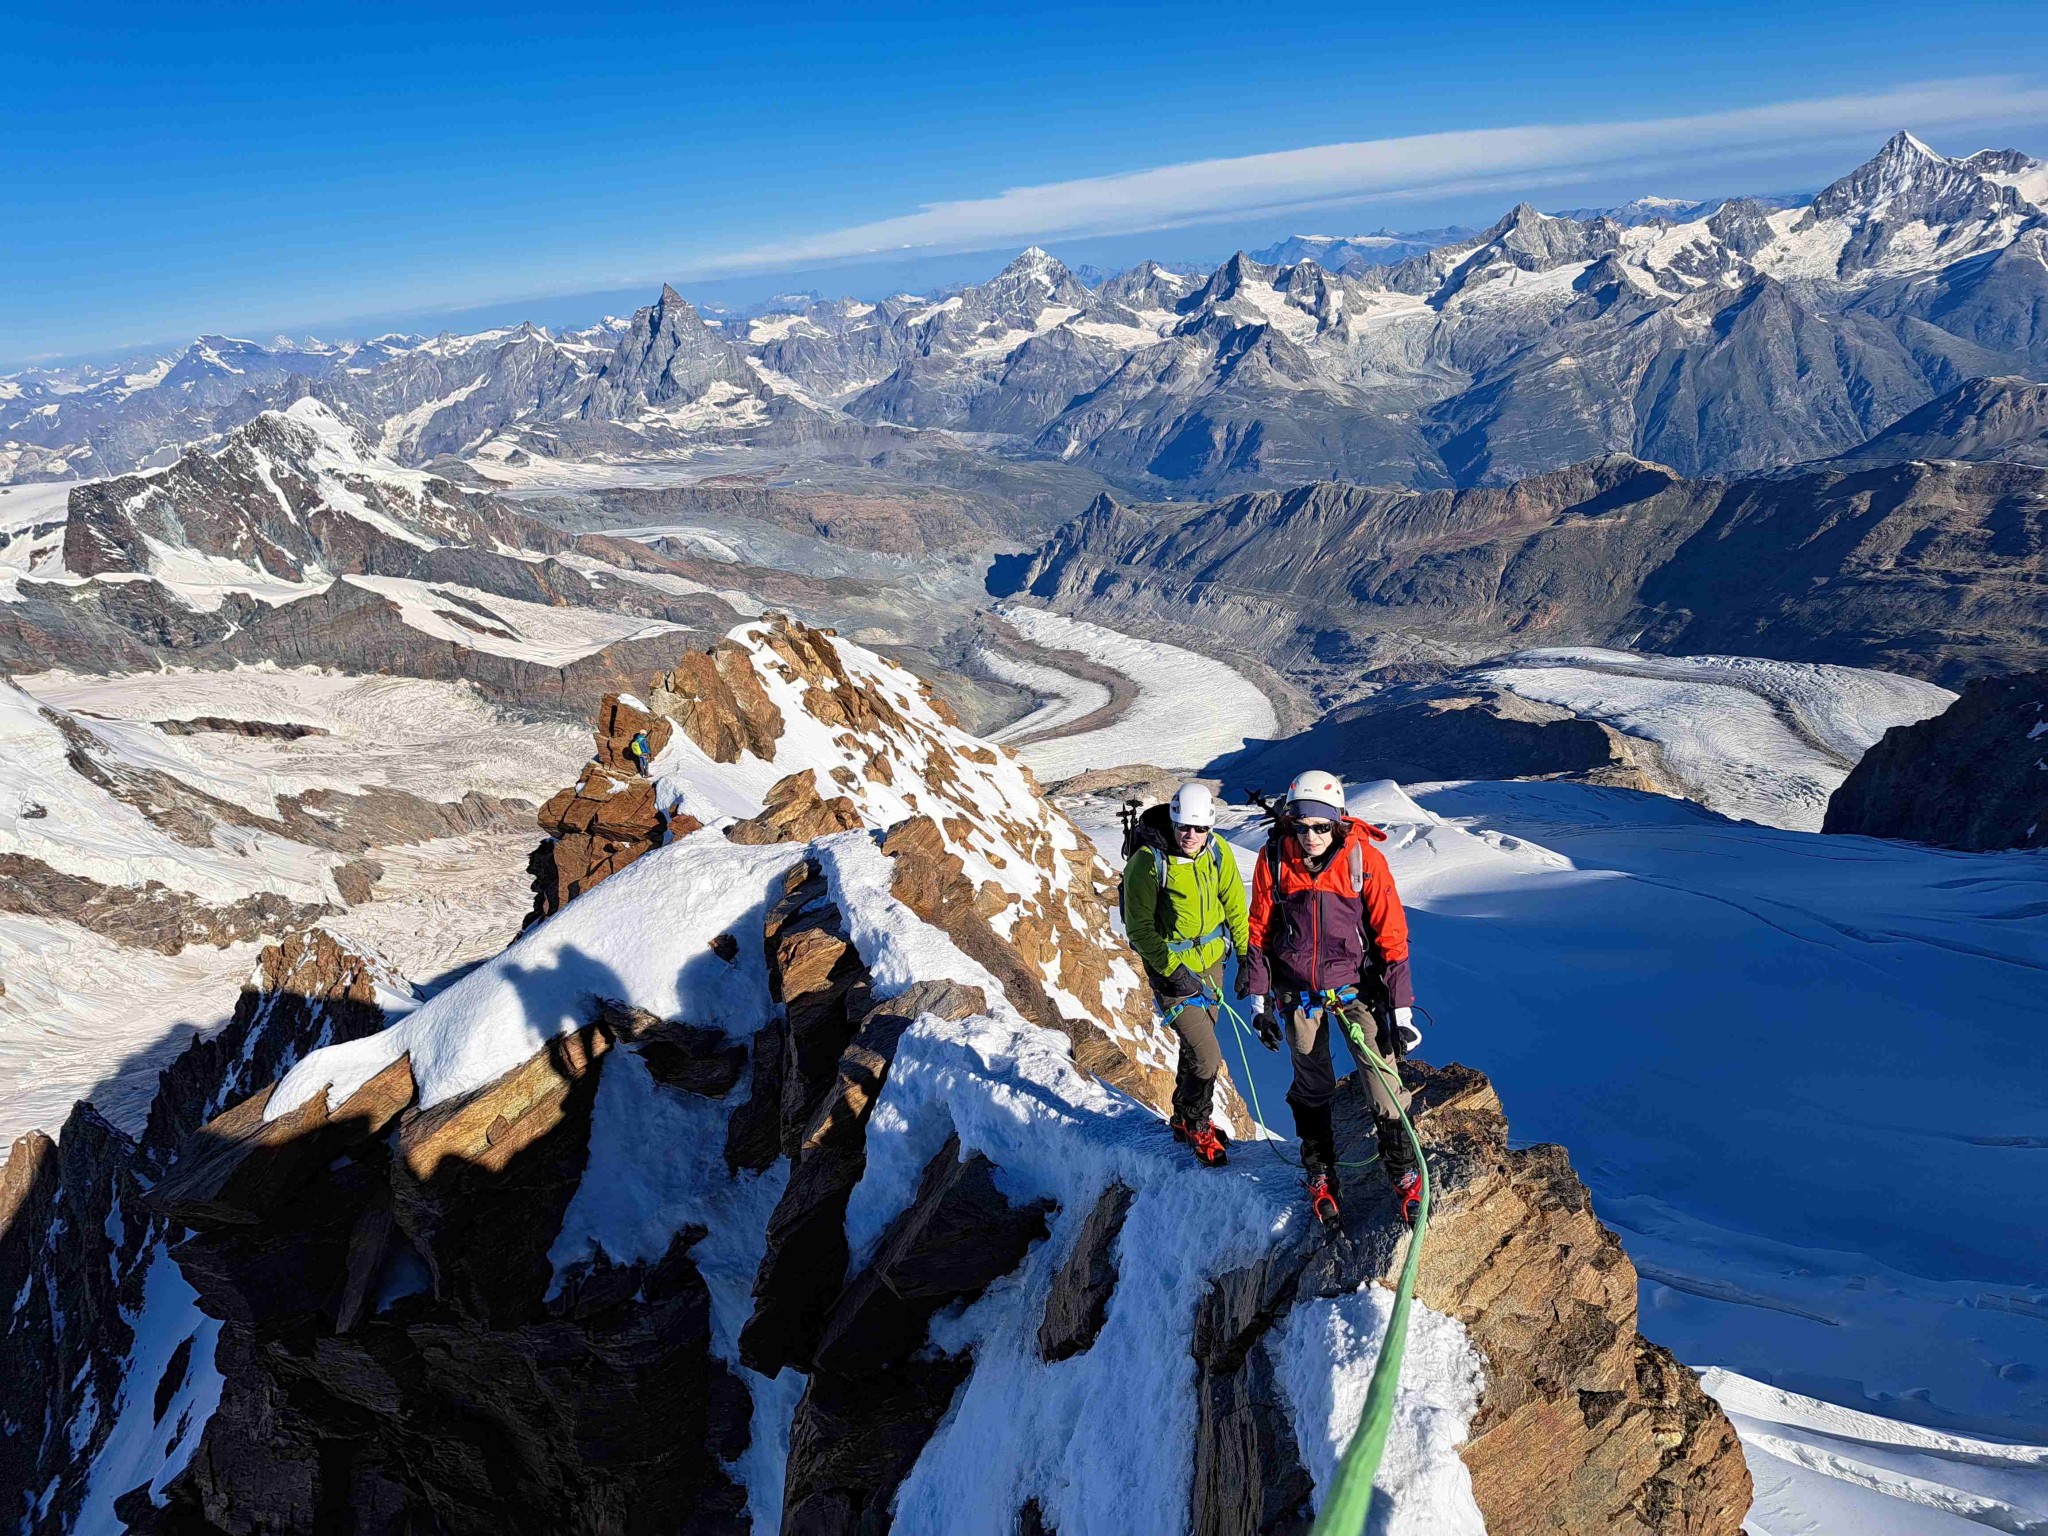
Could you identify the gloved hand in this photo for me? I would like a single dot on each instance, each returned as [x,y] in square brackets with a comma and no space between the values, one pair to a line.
[1243,985]
[1267,1024]
[1407,1034]
[1182,983]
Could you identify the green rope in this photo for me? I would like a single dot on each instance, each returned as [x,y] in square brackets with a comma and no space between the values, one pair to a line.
[1350,1501]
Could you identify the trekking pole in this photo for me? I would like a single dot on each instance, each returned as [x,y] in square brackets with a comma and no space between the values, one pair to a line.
[1344,1512]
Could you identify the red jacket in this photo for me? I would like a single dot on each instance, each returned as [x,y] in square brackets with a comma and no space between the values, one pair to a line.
[1333,926]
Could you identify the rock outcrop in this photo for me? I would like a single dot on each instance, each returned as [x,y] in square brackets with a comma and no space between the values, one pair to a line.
[1972,777]
[850,741]
[609,817]
[78,1239]
[1927,568]
[1462,728]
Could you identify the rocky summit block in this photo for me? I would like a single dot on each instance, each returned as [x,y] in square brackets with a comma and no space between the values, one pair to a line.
[1971,777]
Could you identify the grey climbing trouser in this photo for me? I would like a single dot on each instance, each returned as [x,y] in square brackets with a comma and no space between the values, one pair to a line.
[1315,1074]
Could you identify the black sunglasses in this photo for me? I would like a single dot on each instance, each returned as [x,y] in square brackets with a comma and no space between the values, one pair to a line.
[1317,828]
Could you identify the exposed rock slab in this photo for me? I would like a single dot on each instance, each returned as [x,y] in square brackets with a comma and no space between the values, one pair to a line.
[1971,777]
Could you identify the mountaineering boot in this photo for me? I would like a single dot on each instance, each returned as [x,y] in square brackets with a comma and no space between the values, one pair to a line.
[1408,1190]
[1203,1141]
[1179,1126]
[1322,1197]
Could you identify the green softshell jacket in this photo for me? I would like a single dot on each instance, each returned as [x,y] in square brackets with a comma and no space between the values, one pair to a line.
[1203,895]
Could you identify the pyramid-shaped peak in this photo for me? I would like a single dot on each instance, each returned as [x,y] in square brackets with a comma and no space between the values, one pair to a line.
[669,297]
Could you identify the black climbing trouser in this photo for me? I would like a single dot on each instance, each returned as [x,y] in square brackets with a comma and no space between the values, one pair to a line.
[1201,1053]
[1315,1085]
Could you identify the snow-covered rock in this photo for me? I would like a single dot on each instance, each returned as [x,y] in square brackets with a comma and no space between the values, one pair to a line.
[772,1185]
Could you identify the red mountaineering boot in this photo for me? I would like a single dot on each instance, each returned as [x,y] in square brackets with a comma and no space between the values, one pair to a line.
[1179,1127]
[1206,1145]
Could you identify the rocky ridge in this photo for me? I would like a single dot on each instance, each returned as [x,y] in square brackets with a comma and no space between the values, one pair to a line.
[1927,568]
[530,1254]
[1971,777]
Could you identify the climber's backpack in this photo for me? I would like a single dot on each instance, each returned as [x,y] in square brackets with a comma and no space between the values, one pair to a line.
[1159,820]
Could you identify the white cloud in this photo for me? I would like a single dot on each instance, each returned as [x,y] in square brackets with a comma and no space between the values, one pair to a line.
[1419,165]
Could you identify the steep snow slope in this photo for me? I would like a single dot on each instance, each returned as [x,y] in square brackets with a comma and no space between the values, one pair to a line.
[1803,1077]
[1764,740]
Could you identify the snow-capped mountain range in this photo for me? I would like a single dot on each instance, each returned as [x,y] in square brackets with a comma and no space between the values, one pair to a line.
[1713,338]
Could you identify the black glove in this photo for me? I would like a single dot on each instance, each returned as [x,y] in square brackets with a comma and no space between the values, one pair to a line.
[1268,1026]
[1181,984]
[1243,985]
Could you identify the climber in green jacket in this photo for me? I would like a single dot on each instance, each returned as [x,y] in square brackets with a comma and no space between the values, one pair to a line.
[1184,910]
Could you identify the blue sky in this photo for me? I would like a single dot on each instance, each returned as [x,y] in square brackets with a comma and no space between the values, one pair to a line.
[176,168]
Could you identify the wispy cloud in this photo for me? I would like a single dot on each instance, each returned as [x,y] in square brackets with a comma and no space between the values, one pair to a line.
[1419,165]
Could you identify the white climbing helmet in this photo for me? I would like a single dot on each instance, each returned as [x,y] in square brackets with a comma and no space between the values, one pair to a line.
[1193,806]
[1317,788]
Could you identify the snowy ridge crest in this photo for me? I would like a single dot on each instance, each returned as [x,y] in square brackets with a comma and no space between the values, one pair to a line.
[779,1157]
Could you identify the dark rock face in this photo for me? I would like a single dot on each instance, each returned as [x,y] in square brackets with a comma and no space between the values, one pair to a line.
[71,1228]
[1248,1475]
[475,1396]
[1971,777]
[77,1235]
[1983,419]
[1078,1303]
[874,1398]
[1930,569]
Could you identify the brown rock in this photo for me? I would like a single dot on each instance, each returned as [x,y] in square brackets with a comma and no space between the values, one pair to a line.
[618,722]
[795,813]
[716,697]
[1586,1426]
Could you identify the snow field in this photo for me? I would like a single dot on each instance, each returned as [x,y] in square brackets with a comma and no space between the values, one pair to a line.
[1818,1466]
[1767,741]
[504,626]
[435,739]
[51,811]
[1190,710]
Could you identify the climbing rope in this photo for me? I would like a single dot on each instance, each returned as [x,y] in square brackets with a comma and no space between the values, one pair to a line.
[1349,1502]
[1350,1499]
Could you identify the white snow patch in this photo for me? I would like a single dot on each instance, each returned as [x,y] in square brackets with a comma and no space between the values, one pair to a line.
[534,632]
[142,1447]
[1764,740]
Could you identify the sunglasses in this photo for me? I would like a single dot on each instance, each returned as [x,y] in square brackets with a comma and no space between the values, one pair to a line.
[1315,828]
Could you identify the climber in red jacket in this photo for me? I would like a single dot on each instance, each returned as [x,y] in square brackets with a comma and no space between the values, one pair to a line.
[1328,935]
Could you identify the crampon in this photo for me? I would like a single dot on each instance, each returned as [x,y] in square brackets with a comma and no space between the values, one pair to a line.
[1322,1199]
[1207,1146]
[1409,1193]
[1179,1127]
